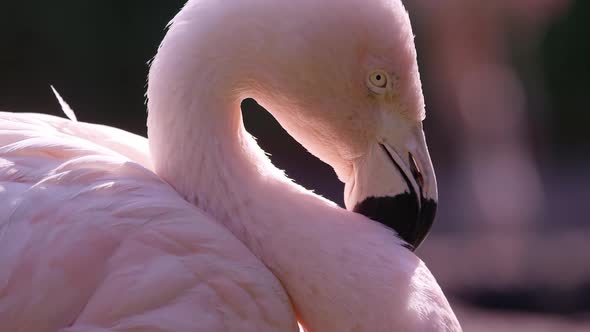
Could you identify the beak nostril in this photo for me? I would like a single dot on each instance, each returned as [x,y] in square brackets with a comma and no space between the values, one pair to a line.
[416,172]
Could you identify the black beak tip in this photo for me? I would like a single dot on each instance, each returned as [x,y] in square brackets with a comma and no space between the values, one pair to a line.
[402,214]
[427,215]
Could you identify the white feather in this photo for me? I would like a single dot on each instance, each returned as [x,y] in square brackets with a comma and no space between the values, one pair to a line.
[69,112]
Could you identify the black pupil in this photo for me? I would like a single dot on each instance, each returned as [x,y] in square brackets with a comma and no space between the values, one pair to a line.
[378,77]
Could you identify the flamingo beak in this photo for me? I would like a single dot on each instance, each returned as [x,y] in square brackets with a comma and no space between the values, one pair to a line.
[395,185]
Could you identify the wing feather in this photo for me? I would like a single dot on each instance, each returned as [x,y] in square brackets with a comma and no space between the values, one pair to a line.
[92,240]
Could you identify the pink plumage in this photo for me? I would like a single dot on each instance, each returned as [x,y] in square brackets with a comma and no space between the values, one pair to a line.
[195,229]
[90,238]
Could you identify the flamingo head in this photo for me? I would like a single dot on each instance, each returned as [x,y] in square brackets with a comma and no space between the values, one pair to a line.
[340,76]
[343,80]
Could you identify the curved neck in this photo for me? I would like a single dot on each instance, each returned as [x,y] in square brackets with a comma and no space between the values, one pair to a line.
[318,251]
[321,253]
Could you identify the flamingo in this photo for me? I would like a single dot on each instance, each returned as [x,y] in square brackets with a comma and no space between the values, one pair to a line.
[194,229]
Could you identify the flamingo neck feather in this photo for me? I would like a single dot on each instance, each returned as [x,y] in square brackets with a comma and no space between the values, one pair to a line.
[199,145]
[317,250]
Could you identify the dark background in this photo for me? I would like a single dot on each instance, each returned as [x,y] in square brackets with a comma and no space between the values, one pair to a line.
[95,53]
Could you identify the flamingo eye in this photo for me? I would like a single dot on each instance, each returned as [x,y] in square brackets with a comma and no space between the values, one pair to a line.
[377,81]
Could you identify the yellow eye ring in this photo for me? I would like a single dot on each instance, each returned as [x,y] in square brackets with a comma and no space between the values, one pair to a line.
[377,81]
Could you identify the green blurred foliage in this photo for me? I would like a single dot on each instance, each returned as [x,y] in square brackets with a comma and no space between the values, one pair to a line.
[566,55]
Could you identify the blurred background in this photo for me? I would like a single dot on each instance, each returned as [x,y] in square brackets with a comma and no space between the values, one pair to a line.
[506,84]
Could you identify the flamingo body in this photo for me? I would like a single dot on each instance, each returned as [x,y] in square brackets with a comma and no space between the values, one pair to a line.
[92,240]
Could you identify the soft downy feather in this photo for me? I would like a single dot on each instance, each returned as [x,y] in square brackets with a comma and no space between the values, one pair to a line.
[83,223]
